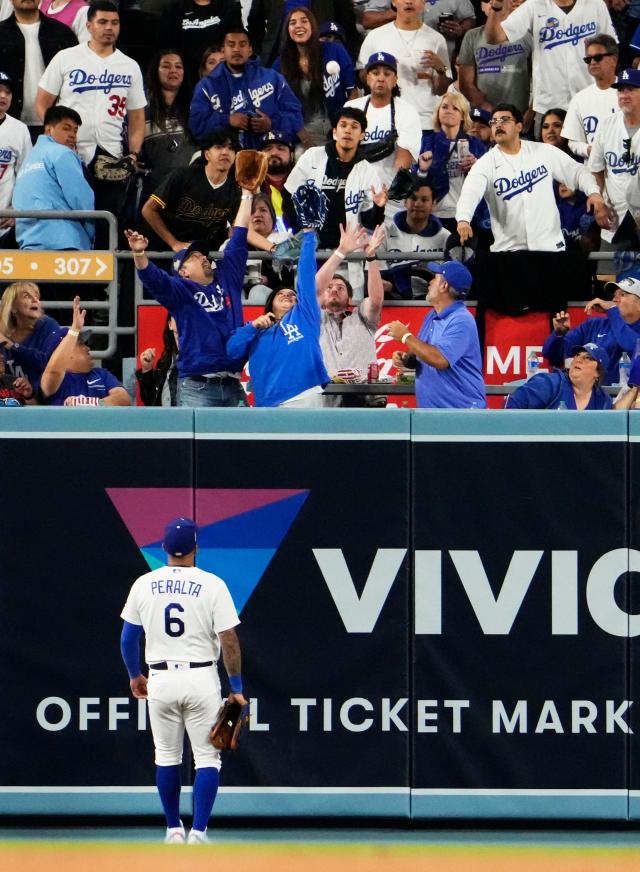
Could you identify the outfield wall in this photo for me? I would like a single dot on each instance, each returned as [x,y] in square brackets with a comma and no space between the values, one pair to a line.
[437,607]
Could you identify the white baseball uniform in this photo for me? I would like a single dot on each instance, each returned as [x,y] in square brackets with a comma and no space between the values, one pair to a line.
[558,46]
[518,189]
[182,610]
[15,145]
[586,110]
[608,154]
[101,90]
[407,46]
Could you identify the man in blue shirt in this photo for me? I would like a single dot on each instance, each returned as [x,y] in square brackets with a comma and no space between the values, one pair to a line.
[207,307]
[446,351]
[619,331]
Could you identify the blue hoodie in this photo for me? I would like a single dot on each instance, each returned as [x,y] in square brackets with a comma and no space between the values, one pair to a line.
[220,94]
[52,178]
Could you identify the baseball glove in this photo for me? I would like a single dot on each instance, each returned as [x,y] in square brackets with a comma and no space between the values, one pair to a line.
[224,734]
[402,185]
[113,169]
[251,168]
[311,205]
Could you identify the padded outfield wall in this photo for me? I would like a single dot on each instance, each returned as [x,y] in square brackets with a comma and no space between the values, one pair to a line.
[438,608]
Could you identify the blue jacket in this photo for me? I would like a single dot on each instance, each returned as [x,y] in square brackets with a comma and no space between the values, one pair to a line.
[548,389]
[29,358]
[612,333]
[338,85]
[205,314]
[220,94]
[52,178]
[437,143]
[286,359]
[98,383]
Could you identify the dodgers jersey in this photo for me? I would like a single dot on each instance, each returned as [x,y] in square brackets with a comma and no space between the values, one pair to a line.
[518,189]
[182,610]
[558,46]
[586,110]
[608,153]
[15,145]
[101,90]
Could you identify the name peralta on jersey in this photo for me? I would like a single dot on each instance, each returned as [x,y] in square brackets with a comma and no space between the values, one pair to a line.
[182,610]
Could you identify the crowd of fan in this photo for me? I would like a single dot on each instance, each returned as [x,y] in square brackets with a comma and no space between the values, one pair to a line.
[505,134]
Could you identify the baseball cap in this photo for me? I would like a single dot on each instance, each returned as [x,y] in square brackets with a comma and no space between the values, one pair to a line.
[627,79]
[630,284]
[455,273]
[382,58]
[6,81]
[84,336]
[481,116]
[597,352]
[276,136]
[180,537]
[332,28]
[455,250]
[200,245]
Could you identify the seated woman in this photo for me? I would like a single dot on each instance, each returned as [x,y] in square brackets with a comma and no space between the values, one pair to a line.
[283,345]
[167,143]
[320,74]
[159,384]
[27,335]
[261,275]
[577,388]
[70,378]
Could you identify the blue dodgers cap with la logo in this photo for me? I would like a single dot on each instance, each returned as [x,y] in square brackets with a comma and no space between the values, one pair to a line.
[180,537]
[332,28]
[627,79]
[276,136]
[200,245]
[596,352]
[455,273]
[382,59]
[5,81]
[480,115]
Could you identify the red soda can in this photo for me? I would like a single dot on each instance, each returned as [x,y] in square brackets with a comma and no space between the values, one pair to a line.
[373,373]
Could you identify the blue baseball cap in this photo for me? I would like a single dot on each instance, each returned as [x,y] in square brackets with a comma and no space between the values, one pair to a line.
[276,136]
[455,273]
[596,352]
[332,28]
[480,115]
[627,79]
[180,537]
[200,245]
[382,59]
[6,81]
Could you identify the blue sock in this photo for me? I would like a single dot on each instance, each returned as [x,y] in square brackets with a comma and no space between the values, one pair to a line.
[168,784]
[205,788]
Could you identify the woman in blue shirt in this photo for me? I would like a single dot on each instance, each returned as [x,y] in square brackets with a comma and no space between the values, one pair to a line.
[27,335]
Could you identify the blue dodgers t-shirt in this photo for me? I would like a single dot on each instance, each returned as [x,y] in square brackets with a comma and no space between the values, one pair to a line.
[96,383]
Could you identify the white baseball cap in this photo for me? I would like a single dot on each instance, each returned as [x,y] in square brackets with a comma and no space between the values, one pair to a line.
[629,285]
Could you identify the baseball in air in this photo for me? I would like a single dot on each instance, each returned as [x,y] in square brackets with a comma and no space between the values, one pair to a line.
[333,68]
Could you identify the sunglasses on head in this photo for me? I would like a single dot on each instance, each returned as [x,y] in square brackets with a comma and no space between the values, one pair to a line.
[597,57]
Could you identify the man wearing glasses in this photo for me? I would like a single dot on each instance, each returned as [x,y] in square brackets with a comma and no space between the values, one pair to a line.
[516,179]
[615,160]
[596,102]
[558,38]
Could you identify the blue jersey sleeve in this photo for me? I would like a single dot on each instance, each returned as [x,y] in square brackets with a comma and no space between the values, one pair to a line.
[130,647]
[537,393]
[239,343]
[230,272]
[306,281]
[164,288]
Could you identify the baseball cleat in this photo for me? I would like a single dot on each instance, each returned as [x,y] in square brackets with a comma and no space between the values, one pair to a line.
[175,835]
[197,837]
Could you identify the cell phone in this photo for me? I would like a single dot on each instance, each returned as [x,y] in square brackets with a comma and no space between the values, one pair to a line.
[463,148]
[445,18]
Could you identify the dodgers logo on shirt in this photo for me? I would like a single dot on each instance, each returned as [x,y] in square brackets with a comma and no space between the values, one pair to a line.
[589,124]
[375,135]
[81,81]
[214,303]
[521,184]
[6,156]
[259,95]
[330,83]
[619,165]
[553,35]
[291,331]
[353,200]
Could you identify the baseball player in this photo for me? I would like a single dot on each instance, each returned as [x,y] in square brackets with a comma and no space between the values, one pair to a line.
[187,617]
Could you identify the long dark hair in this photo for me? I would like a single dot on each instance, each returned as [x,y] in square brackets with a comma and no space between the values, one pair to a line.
[290,60]
[158,109]
[170,351]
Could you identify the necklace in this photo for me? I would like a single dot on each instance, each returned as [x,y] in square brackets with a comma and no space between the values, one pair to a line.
[408,43]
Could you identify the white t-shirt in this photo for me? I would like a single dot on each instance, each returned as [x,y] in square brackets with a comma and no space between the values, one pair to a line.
[558,46]
[101,90]
[406,46]
[587,109]
[15,145]
[407,125]
[33,70]
[182,610]
[608,153]
[518,189]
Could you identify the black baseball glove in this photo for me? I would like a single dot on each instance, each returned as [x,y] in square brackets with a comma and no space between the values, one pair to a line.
[311,205]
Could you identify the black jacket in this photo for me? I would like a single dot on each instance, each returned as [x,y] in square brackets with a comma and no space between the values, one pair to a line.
[52,36]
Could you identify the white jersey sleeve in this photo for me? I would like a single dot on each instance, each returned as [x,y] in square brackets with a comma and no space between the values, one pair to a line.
[53,76]
[302,171]
[596,162]
[473,189]
[569,172]
[519,22]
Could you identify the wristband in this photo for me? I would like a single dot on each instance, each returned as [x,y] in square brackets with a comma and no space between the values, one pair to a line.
[247,197]
[235,683]
[72,332]
[404,338]
[138,253]
[339,254]
[369,259]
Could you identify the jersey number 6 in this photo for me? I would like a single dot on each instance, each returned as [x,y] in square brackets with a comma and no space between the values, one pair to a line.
[173,626]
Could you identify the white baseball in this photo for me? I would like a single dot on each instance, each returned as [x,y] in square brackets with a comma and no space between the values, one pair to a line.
[333,68]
